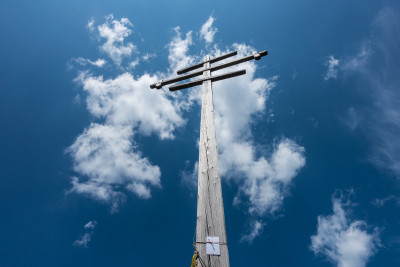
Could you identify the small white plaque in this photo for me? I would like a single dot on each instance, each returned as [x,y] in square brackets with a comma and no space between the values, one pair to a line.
[212,246]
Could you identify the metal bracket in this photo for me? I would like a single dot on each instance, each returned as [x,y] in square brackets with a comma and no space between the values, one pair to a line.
[256,55]
[159,84]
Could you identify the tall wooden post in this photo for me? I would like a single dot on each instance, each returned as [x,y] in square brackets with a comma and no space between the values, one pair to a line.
[210,207]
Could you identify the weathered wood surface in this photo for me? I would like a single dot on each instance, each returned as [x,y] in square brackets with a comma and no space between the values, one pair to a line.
[210,208]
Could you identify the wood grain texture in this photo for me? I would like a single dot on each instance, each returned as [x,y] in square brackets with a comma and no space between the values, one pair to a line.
[210,208]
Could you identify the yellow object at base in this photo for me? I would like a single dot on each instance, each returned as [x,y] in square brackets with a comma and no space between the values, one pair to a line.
[194,261]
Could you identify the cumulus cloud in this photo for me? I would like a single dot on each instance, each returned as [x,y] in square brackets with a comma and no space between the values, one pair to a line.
[344,242]
[114,32]
[332,71]
[263,180]
[207,31]
[105,154]
[86,237]
[268,182]
[110,164]
[178,56]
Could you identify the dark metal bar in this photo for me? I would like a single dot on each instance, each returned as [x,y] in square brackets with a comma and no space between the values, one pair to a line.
[240,60]
[215,68]
[213,79]
[177,79]
[202,63]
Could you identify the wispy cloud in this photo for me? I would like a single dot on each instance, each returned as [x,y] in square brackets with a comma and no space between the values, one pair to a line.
[189,177]
[344,242]
[358,61]
[84,61]
[86,237]
[352,119]
[376,65]
[380,202]
[207,31]
[90,225]
[332,71]
[147,56]
[256,228]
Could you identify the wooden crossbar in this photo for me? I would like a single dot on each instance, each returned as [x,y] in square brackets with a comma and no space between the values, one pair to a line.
[234,53]
[161,83]
[213,79]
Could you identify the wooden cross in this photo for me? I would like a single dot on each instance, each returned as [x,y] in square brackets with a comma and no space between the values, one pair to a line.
[210,208]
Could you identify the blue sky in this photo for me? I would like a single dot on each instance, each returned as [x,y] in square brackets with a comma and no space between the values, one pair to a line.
[97,169]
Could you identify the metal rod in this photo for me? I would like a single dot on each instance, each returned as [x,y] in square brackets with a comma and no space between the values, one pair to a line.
[202,63]
[213,79]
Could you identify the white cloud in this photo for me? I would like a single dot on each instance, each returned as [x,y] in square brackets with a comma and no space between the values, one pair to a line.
[256,229]
[264,182]
[110,164]
[358,61]
[268,182]
[376,65]
[380,202]
[147,56]
[90,225]
[83,62]
[106,153]
[140,190]
[90,24]
[346,243]
[189,177]
[129,101]
[134,63]
[115,32]
[87,237]
[352,118]
[207,31]
[83,241]
[178,51]
[332,71]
